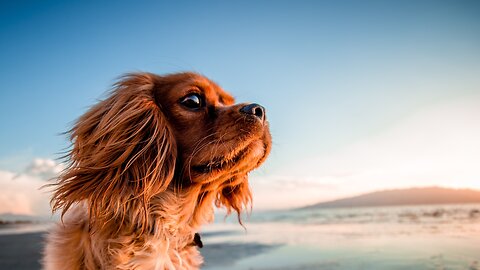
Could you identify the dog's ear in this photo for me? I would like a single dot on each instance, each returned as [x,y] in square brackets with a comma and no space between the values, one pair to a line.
[235,195]
[123,153]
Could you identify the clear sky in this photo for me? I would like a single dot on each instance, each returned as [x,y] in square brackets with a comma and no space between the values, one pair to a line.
[360,95]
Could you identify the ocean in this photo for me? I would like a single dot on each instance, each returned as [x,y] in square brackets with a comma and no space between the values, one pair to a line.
[406,237]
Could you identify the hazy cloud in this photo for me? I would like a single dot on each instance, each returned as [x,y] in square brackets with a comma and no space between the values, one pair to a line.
[22,193]
[44,168]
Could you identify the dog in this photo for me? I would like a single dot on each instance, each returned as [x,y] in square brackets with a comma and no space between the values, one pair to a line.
[147,166]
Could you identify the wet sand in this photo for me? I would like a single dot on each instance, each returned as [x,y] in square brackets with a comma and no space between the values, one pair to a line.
[21,251]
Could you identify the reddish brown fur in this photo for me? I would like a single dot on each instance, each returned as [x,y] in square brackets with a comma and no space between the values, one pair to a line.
[144,173]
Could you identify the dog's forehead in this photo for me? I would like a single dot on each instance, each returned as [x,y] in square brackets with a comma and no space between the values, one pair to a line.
[212,90]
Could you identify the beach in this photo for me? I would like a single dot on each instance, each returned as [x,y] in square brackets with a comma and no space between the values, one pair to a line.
[23,251]
[413,237]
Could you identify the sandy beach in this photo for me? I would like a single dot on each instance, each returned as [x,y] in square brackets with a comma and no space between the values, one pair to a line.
[22,251]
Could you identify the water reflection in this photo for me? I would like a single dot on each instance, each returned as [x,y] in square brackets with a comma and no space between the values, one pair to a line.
[412,237]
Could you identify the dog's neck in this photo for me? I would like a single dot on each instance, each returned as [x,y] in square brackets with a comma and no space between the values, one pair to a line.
[191,207]
[173,215]
[180,215]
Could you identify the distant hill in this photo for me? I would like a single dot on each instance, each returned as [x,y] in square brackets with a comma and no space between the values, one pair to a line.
[12,218]
[411,196]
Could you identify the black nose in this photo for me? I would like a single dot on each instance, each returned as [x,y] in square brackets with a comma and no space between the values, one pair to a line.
[254,109]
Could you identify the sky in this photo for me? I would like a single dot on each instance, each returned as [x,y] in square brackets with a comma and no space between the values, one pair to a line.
[360,95]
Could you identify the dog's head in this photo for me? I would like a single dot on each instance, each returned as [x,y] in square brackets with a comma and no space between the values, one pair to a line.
[157,133]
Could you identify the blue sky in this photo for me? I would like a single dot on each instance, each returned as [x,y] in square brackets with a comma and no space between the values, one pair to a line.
[331,74]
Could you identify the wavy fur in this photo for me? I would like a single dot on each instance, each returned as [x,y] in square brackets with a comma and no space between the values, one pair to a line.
[125,197]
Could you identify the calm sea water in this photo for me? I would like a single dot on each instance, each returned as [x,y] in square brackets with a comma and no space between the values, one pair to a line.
[410,237]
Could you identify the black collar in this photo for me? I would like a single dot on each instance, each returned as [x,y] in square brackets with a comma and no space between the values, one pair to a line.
[197,241]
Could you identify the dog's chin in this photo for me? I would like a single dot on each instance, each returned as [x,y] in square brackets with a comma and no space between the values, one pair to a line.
[240,160]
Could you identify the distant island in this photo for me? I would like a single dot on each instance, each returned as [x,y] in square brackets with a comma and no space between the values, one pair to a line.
[410,196]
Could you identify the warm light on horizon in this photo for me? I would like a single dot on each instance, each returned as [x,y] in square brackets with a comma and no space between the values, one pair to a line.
[436,146]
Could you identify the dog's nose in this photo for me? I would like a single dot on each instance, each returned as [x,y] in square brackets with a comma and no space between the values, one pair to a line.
[254,109]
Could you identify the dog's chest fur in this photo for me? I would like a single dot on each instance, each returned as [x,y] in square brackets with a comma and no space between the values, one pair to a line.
[167,247]
[155,253]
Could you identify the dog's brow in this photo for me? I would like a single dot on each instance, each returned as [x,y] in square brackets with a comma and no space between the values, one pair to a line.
[226,99]
[202,85]
[222,96]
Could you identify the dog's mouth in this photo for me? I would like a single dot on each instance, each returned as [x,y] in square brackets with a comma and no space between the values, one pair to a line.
[236,155]
[221,163]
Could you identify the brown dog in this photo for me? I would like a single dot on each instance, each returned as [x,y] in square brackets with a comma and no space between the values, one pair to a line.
[146,167]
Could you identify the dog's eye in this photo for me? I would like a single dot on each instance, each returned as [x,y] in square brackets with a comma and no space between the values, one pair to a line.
[192,101]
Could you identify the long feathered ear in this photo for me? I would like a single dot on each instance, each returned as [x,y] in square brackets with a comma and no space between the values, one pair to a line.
[235,195]
[123,153]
